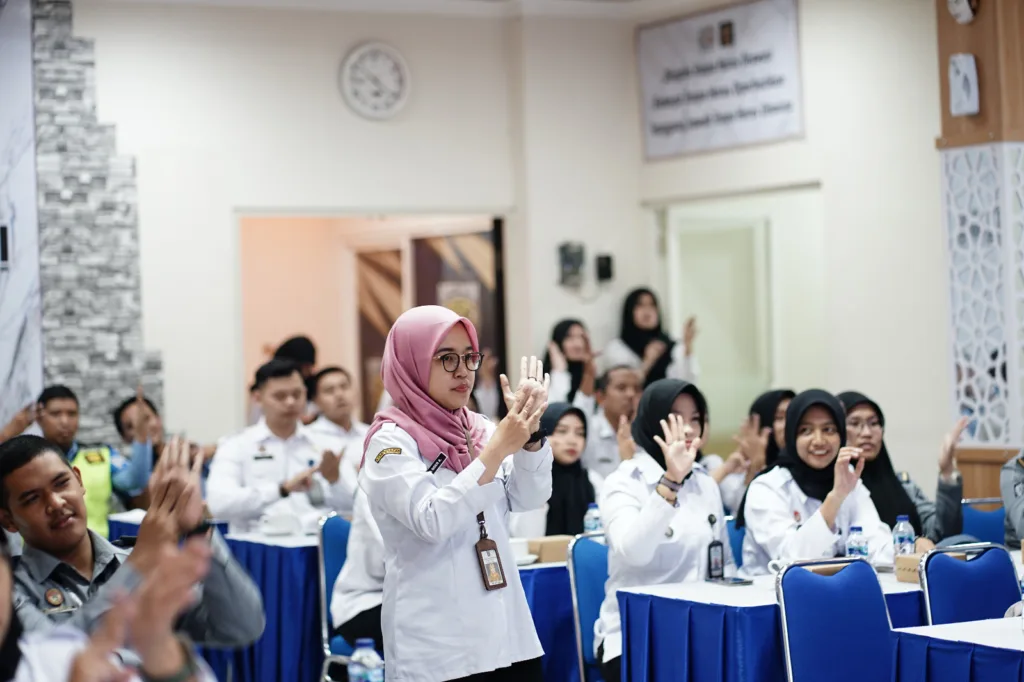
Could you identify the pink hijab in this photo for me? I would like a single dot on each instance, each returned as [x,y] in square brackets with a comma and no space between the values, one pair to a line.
[405,368]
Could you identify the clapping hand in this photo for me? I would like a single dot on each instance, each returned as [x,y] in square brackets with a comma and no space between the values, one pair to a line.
[330,466]
[679,458]
[185,472]
[526,405]
[946,460]
[846,477]
[624,437]
[95,663]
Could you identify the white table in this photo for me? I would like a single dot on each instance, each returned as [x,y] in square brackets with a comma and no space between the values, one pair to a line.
[1002,633]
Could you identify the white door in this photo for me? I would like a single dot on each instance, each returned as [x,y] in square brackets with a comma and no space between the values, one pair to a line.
[718,272]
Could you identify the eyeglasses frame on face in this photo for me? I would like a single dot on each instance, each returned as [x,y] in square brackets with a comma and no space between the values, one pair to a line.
[859,426]
[459,360]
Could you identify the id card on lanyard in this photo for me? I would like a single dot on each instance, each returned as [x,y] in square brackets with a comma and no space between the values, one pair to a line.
[716,554]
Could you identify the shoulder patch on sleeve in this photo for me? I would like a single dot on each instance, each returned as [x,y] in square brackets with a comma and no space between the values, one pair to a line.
[387,451]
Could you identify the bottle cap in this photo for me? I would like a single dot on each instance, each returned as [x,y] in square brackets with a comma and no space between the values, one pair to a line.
[902,517]
[592,505]
[364,643]
[855,529]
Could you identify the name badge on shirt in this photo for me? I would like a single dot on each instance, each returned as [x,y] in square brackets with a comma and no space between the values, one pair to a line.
[490,562]
[260,456]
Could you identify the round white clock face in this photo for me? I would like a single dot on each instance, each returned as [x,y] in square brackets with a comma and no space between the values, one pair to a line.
[375,81]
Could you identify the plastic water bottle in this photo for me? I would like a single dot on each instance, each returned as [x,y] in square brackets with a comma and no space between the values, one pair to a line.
[592,520]
[903,536]
[856,543]
[365,664]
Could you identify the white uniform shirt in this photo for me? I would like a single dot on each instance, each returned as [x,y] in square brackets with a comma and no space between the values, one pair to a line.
[360,585]
[681,366]
[601,456]
[439,622]
[783,523]
[652,542]
[349,444]
[561,385]
[48,656]
[732,486]
[249,468]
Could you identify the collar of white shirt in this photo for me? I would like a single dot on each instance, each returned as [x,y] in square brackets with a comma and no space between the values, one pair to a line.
[605,429]
[263,433]
[325,425]
[790,481]
[650,471]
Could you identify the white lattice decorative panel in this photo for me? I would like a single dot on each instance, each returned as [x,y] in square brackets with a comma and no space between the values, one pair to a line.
[1014,192]
[973,195]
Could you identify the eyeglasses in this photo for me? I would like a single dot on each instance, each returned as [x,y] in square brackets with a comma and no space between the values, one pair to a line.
[870,425]
[451,361]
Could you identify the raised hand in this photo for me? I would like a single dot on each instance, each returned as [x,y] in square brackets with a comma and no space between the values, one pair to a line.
[522,420]
[330,466]
[846,477]
[949,443]
[679,458]
[141,418]
[558,361]
[532,381]
[162,599]
[624,437]
[19,422]
[95,662]
[653,351]
[301,482]
[752,441]
[689,334]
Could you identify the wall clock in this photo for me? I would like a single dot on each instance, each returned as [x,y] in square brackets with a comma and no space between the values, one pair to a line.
[374,81]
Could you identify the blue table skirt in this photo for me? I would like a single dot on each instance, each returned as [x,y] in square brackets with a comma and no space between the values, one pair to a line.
[671,640]
[923,659]
[290,647]
[550,599]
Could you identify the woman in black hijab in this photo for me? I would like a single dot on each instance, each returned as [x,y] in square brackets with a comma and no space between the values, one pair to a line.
[566,359]
[805,506]
[662,512]
[896,495]
[572,490]
[643,345]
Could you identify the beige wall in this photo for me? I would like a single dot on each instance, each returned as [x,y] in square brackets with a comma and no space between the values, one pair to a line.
[871,95]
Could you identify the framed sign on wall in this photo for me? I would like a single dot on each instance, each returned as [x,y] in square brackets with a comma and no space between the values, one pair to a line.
[721,79]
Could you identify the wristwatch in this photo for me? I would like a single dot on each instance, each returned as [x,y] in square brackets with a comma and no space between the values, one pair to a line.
[282,491]
[188,669]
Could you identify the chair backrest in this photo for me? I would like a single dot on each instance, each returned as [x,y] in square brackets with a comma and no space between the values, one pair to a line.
[332,548]
[736,536]
[588,573]
[984,524]
[823,615]
[957,591]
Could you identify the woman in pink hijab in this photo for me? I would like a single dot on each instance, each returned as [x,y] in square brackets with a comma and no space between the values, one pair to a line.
[441,482]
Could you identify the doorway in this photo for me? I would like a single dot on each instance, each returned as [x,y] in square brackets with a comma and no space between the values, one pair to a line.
[344,280]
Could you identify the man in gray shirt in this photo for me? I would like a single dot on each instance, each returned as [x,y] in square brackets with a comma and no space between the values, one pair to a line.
[70,575]
[1011,487]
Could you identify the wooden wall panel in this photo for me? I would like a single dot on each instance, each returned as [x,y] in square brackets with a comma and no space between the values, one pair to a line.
[994,38]
[980,469]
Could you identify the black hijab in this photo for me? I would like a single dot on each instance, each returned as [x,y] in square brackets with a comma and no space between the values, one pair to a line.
[571,490]
[764,407]
[10,652]
[655,405]
[815,483]
[887,492]
[576,367]
[637,339]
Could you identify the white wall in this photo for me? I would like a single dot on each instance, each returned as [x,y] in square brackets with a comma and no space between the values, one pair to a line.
[232,111]
[871,95]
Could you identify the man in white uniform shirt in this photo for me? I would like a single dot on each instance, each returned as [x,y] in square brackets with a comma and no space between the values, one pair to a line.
[335,427]
[609,418]
[276,469]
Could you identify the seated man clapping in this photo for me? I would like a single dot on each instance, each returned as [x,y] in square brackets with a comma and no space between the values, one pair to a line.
[70,575]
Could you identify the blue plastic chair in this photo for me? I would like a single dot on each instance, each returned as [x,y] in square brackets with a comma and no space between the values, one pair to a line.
[852,605]
[985,525]
[736,536]
[332,549]
[957,591]
[588,572]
